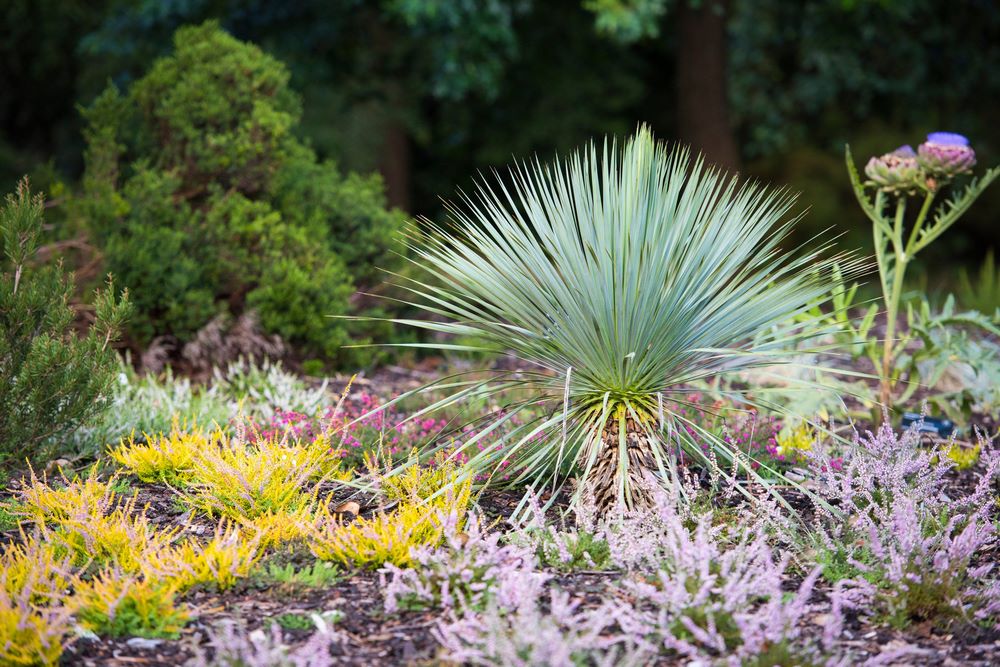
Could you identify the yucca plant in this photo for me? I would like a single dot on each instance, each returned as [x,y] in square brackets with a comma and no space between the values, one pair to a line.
[617,278]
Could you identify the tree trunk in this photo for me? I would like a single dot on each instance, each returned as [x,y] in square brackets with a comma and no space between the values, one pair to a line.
[394,160]
[604,478]
[702,102]
[395,164]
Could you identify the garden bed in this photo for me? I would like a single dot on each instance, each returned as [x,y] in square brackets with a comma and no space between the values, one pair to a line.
[366,634]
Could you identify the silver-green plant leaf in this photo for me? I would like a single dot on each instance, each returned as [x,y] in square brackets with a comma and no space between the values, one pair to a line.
[616,278]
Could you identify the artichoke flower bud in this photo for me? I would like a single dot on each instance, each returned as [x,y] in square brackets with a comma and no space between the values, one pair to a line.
[896,172]
[945,155]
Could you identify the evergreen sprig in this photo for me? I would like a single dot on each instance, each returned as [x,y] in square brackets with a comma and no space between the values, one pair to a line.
[50,379]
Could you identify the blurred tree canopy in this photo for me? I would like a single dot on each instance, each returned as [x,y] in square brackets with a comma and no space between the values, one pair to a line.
[430,91]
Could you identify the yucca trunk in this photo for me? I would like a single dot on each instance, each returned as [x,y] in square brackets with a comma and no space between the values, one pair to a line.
[639,472]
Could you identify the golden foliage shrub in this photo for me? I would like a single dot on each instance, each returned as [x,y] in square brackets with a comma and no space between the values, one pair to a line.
[239,481]
[226,558]
[42,503]
[386,537]
[165,458]
[115,604]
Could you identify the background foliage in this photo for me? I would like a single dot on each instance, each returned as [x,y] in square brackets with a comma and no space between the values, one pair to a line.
[206,204]
[428,92]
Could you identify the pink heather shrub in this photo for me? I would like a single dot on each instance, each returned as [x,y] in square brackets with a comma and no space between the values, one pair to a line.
[714,597]
[726,609]
[989,610]
[701,582]
[643,539]
[882,467]
[906,548]
[230,645]
[771,634]
[559,635]
[918,571]
[566,550]
[711,602]
[469,570]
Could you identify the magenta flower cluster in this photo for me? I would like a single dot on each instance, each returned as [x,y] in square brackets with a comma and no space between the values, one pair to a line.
[363,423]
[754,435]
[360,424]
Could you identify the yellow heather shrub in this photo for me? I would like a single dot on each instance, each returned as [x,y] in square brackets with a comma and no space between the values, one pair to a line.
[33,567]
[245,482]
[165,458]
[963,457]
[116,604]
[33,622]
[30,635]
[416,482]
[276,528]
[226,558]
[386,537]
[316,456]
[42,503]
[793,443]
[121,538]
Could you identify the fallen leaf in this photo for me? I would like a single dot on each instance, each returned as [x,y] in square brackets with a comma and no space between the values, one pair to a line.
[350,507]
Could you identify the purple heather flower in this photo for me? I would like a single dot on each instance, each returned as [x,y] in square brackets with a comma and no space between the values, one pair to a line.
[472,569]
[916,547]
[232,644]
[945,154]
[896,172]
[558,632]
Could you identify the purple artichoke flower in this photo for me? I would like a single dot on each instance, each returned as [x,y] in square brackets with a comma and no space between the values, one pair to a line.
[945,154]
[896,172]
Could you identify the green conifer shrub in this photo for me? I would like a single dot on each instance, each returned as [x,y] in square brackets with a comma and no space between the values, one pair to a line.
[204,202]
[50,379]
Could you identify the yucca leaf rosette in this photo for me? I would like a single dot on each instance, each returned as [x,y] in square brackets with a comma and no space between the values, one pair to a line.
[615,278]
